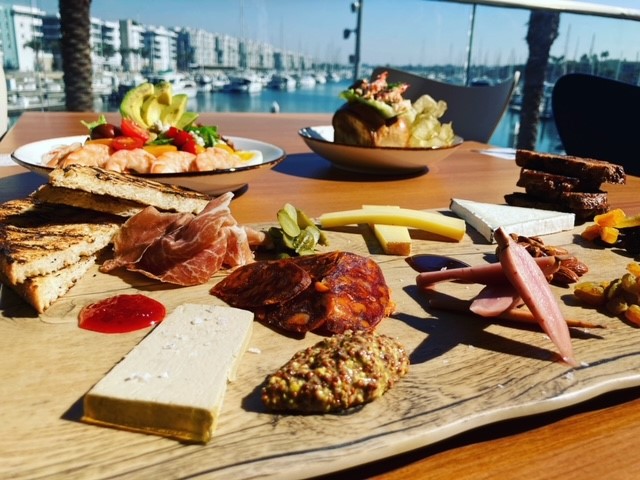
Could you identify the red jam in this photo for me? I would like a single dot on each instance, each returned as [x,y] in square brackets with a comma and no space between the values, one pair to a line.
[121,314]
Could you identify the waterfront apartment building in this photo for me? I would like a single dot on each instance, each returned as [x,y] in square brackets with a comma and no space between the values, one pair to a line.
[228,51]
[131,45]
[30,40]
[106,45]
[160,49]
[21,38]
[196,49]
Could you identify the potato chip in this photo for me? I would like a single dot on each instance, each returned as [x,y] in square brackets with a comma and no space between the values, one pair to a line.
[426,129]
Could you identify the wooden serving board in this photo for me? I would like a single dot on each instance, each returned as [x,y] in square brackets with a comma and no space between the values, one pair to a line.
[464,373]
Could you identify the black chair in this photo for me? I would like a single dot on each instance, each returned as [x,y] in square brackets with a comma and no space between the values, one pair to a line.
[598,118]
[474,111]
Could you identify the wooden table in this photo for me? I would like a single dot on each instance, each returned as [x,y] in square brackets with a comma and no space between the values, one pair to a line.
[595,439]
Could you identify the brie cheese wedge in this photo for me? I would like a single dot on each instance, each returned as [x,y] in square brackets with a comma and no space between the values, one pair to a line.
[486,218]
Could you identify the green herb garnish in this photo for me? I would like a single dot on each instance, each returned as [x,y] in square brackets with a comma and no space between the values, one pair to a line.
[91,125]
[209,134]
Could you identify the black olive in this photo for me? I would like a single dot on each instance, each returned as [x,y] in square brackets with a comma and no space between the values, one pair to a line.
[106,130]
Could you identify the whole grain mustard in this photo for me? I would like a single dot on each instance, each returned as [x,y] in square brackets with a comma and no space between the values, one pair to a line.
[337,373]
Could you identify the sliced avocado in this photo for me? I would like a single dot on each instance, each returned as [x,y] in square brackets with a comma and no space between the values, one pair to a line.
[164,93]
[131,106]
[386,110]
[172,113]
[151,110]
[186,119]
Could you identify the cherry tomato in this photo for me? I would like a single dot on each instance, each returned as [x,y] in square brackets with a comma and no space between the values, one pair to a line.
[172,131]
[105,130]
[192,147]
[179,137]
[126,143]
[132,129]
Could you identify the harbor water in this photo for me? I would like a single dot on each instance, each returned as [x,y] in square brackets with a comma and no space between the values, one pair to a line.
[324,98]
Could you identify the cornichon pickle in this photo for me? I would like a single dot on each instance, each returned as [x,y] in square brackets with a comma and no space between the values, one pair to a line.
[297,234]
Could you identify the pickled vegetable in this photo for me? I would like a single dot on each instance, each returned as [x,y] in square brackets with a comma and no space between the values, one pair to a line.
[296,234]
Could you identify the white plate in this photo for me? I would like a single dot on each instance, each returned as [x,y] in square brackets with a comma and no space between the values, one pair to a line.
[214,182]
[377,160]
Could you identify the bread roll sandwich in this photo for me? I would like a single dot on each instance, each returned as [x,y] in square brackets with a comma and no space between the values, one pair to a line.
[376,115]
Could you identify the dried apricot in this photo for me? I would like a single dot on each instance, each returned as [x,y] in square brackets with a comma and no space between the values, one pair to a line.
[591,233]
[633,314]
[610,218]
[609,235]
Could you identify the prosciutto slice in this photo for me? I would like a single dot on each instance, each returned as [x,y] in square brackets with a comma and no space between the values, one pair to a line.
[183,249]
[487,274]
[495,299]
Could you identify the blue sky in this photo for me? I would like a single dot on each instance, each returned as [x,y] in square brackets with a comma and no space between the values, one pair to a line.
[394,31]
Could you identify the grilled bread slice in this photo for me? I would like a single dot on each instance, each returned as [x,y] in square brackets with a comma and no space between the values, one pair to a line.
[78,198]
[591,171]
[583,205]
[564,183]
[106,187]
[42,290]
[550,185]
[38,239]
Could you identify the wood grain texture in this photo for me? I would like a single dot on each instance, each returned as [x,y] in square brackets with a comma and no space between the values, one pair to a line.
[464,373]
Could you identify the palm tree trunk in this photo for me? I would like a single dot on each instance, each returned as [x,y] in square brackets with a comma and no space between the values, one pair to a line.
[542,32]
[75,30]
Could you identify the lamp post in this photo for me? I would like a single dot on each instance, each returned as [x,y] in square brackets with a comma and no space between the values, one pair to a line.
[356,7]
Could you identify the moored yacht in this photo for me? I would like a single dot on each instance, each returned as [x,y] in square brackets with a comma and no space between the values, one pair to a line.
[246,82]
[281,81]
[307,81]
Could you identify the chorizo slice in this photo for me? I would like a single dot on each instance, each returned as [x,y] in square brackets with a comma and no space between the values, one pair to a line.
[359,297]
[259,284]
[348,292]
[336,291]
